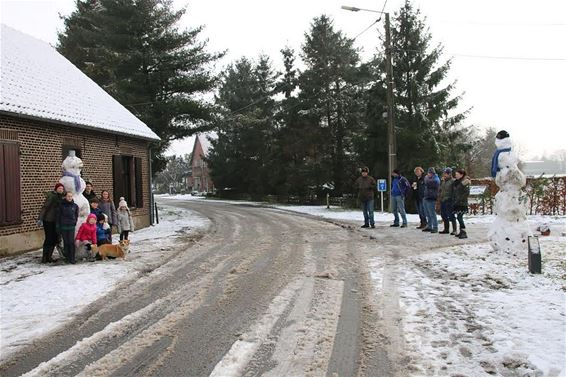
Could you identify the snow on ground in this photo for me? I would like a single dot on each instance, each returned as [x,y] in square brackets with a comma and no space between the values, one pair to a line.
[37,298]
[469,311]
[556,223]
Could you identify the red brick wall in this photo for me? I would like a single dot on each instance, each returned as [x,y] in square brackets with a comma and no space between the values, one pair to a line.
[198,170]
[41,146]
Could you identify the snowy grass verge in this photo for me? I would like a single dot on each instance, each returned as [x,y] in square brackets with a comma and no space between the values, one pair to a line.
[556,223]
[36,299]
[469,311]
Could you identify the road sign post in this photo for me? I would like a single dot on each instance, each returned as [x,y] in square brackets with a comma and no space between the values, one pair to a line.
[382,187]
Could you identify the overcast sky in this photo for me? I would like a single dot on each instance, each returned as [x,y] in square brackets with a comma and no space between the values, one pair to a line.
[509,56]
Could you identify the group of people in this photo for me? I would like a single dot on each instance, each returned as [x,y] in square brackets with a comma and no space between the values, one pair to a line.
[59,216]
[452,190]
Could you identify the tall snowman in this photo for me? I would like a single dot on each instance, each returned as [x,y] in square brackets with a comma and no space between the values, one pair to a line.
[73,182]
[509,230]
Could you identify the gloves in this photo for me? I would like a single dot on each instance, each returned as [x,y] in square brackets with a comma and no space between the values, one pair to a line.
[39,223]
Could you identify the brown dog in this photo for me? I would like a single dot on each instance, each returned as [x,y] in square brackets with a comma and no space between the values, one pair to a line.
[117,251]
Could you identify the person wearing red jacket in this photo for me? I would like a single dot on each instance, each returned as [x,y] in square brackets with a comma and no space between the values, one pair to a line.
[86,235]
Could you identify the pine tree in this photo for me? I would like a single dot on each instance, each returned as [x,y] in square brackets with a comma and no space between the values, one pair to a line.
[428,125]
[329,102]
[242,155]
[135,51]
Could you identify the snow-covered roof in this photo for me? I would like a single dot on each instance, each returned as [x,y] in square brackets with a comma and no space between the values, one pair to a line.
[205,141]
[38,82]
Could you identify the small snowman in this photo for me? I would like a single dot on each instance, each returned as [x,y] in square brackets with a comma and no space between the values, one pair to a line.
[73,182]
[509,231]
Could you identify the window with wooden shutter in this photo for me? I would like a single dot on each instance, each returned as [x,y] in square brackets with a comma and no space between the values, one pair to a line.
[10,190]
[139,182]
[118,178]
[127,174]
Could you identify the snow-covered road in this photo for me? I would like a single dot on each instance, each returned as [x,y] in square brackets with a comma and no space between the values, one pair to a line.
[285,295]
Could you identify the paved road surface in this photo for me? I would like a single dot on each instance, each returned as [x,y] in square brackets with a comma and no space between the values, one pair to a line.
[263,293]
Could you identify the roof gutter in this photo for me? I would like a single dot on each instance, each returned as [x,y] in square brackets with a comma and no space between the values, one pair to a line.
[77,125]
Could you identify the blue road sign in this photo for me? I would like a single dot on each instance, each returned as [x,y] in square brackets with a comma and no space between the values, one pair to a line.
[382,185]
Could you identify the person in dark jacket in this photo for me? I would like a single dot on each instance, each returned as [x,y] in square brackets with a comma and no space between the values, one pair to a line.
[88,193]
[418,194]
[366,186]
[447,202]
[399,188]
[461,191]
[432,183]
[67,216]
[47,219]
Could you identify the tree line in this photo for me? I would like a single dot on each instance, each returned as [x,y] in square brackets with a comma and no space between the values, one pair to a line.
[283,132]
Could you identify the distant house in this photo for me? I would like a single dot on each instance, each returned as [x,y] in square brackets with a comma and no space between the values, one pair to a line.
[48,107]
[199,178]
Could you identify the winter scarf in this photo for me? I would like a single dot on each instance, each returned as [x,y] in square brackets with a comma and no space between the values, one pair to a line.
[77,179]
[495,160]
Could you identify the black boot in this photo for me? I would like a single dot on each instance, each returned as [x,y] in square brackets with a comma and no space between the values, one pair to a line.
[454,228]
[462,235]
[446,229]
[47,253]
[50,255]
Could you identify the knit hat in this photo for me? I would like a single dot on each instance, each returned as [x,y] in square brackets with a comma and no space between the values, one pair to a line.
[91,216]
[122,203]
[431,170]
[57,185]
[448,170]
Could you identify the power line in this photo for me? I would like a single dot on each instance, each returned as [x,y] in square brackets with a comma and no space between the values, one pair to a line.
[507,57]
[366,29]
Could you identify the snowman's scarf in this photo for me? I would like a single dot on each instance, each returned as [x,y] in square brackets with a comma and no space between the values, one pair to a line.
[77,179]
[495,161]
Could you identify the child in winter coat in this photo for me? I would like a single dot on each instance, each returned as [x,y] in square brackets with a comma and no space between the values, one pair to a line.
[94,207]
[107,207]
[86,235]
[67,216]
[125,223]
[102,230]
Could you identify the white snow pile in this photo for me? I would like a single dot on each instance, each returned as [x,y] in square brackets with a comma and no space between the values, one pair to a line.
[470,311]
[37,298]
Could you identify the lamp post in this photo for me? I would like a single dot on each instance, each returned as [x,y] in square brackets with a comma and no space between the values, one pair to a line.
[391,139]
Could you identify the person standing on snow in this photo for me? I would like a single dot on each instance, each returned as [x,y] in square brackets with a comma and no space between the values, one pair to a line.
[47,219]
[461,193]
[418,193]
[399,188]
[88,193]
[366,186]
[432,183]
[67,216]
[446,202]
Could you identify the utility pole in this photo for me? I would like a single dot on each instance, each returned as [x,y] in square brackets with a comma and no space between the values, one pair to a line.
[391,139]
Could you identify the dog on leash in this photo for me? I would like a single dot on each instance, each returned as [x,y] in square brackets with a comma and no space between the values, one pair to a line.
[118,250]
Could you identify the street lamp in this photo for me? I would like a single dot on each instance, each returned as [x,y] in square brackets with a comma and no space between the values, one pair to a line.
[391,139]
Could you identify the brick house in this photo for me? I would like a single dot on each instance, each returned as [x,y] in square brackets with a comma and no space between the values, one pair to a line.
[199,178]
[48,107]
